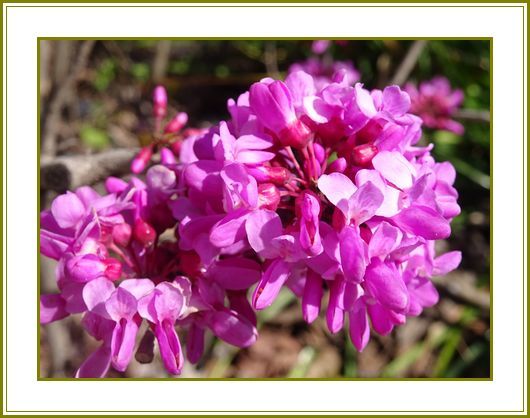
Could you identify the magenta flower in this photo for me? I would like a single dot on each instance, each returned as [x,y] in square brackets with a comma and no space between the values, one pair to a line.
[273,105]
[436,103]
[162,307]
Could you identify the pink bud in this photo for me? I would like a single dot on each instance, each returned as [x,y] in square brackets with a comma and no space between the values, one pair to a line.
[177,123]
[144,233]
[295,135]
[337,166]
[159,102]
[121,234]
[141,160]
[362,154]
[167,157]
[113,268]
[176,147]
[115,185]
[268,196]
[267,174]
[320,153]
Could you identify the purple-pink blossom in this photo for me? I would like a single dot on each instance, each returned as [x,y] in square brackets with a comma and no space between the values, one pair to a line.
[436,102]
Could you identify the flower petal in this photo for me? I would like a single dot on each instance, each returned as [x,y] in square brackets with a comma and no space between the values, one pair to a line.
[423,221]
[336,187]
[446,263]
[270,284]
[231,327]
[312,296]
[97,291]
[235,273]
[386,286]
[262,226]
[394,168]
[353,254]
[364,203]
[67,209]
[96,365]
[52,308]
[359,327]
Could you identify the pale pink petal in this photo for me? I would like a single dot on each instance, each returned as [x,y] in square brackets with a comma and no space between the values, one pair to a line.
[262,226]
[394,168]
[336,187]
[68,210]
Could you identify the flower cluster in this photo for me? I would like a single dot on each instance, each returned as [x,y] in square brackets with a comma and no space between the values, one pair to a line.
[436,103]
[118,265]
[317,188]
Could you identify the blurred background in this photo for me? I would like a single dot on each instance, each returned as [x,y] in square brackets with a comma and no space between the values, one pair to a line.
[95,103]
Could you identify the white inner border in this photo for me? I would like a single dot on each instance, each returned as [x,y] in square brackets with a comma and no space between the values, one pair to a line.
[507,25]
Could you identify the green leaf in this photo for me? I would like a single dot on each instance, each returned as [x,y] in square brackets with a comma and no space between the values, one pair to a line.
[94,138]
[105,74]
[140,70]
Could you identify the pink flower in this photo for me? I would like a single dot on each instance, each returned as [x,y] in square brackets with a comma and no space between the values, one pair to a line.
[273,105]
[436,102]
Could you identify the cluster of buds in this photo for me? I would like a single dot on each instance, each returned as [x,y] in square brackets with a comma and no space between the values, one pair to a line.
[318,188]
[166,138]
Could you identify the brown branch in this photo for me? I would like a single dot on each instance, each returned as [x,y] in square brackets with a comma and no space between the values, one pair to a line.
[270,58]
[49,140]
[161,60]
[463,291]
[408,63]
[72,171]
[473,115]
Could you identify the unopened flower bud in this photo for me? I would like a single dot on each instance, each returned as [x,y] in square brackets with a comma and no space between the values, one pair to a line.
[176,147]
[362,154]
[167,157]
[141,160]
[268,196]
[295,135]
[159,102]
[144,233]
[320,153]
[177,123]
[115,185]
[113,268]
[337,166]
[267,174]
[121,234]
